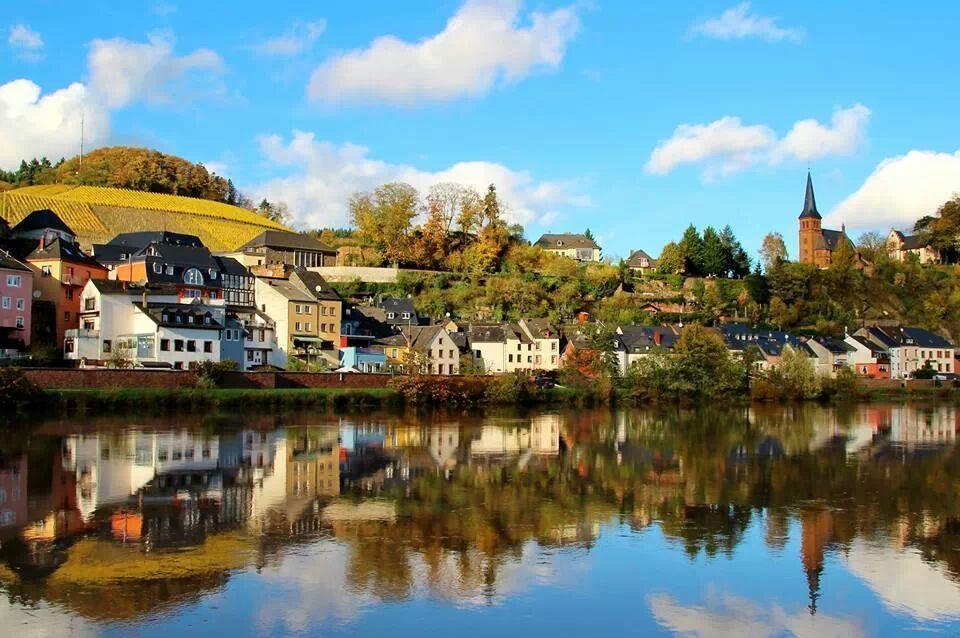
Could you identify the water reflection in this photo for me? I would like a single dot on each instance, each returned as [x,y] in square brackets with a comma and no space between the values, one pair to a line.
[763,521]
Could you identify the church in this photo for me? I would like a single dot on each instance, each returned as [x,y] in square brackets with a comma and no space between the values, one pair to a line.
[817,244]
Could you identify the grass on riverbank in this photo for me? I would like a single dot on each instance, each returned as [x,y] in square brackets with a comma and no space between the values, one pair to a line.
[189,398]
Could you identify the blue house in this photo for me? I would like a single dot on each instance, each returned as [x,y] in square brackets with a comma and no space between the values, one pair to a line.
[363,359]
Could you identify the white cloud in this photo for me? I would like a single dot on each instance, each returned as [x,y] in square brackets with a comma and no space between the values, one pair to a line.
[32,124]
[297,39]
[220,168]
[122,71]
[736,23]
[26,42]
[809,139]
[318,195]
[734,616]
[900,190]
[481,44]
[728,146]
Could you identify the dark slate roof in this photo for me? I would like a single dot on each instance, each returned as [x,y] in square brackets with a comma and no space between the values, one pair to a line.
[487,334]
[145,238]
[398,306]
[9,262]
[566,240]
[637,336]
[910,242]
[197,256]
[541,328]
[293,291]
[836,346]
[230,266]
[918,337]
[832,239]
[809,201]
[287,240]
[41,219]
[874,347]
[193,316]
[420,336]
[638,255]
[315,284]
[65,251]
[109,254]
[460,340]
[518,333]
[116,287]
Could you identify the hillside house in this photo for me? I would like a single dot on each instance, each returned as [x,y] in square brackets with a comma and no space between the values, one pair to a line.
[573,245]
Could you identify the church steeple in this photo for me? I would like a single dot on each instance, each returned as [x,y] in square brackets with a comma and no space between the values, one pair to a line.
[809,201]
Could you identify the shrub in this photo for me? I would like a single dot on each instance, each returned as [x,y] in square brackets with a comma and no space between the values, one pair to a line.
[510,388]
[424,389]
[16,391]
[209,374]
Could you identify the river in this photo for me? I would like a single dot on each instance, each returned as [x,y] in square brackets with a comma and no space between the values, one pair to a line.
[770,521]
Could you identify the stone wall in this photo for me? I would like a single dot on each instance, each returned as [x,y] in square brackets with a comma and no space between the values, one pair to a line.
[367,274]
[64,379]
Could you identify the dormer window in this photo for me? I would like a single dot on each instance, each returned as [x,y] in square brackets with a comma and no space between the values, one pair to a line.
[559,242]
[157,267]
[165,317]
[390,315]
[406,315]
[178,319]
[193,276]
[170,270]
[123,256]
[212,273]
[206,320]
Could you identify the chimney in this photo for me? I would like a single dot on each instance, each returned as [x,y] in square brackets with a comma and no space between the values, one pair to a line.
[143,299]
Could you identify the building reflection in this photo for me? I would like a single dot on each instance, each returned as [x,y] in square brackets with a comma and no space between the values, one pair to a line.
[465,506]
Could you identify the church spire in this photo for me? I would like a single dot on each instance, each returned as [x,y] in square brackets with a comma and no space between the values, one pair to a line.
[809,201]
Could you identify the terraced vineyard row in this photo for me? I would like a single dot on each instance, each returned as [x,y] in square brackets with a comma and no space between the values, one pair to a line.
[98,214]
[151,201]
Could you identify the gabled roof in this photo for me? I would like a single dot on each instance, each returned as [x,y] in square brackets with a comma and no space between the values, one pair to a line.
[460,340]
[487,334]
[192,316]
[230,266]
[315,284]
[420,337]
[198,256]
[41,219]
[285,240]
[10,262]
[145,238]
[64,251]
[292,291]
[564,241]
[398,306]
[514,331]
[809,202]
[910,242]
[831,239]
[918,337]
[637,256]
[835,346]
[540,328]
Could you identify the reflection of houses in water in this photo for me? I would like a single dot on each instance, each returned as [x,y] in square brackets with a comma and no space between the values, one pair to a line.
[816,533]
[13,491]
[874,427]
[110,468]
[542,436]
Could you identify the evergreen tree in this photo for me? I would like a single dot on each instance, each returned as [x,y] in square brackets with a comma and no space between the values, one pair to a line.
[692,247]
[715,258]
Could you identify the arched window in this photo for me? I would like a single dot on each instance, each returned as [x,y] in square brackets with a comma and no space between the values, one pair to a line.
[193,276]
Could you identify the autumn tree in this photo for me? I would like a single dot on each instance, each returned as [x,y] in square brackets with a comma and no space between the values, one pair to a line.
[385,216]
[772,250]
[941,231]
[872,246]
[673,259]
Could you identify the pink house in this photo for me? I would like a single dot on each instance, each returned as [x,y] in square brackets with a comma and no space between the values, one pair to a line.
[16,304]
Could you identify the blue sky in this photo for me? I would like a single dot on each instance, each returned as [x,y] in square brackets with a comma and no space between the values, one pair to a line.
[631,118]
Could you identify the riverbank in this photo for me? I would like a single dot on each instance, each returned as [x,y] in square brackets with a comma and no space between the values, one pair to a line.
[95,399]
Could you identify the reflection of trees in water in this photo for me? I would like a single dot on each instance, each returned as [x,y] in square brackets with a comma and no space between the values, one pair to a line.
[703,477]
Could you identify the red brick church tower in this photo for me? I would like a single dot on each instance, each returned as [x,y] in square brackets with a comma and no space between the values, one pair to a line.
[816,243]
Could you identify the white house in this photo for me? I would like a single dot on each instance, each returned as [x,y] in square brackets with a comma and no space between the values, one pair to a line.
[912,349]
[145,326]
[546,342]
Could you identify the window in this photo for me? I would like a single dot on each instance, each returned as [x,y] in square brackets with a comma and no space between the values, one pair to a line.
[157,267]
[68,293]
[170,270]
[263,335]
[20,322]
[249,355]
[6,302]
[178,345]
[90,303]
[297,309]
[88,325]
[308,309]
[390,315]
[66,315]
[323,310]
[309,327]
[510,358]
[107,345]
[14,281]
[208,346]
[165,345]
[406,315]
[212,273]
[191,345]
[191,293]
[297,326]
